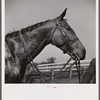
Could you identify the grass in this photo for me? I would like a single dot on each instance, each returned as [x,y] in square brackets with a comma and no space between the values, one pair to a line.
[59,78]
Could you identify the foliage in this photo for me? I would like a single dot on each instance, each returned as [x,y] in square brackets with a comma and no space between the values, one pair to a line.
[51,60]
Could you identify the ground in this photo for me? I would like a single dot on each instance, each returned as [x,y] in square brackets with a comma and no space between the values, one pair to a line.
[62,77]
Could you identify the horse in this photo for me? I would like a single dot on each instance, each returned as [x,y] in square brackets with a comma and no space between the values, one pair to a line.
[90,74]
[25,44]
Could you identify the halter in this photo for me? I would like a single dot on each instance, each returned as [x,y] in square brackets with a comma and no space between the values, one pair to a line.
[67,42]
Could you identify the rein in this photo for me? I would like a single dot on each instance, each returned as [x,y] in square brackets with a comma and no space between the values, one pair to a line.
[68,43]
[76,62]
[30,59]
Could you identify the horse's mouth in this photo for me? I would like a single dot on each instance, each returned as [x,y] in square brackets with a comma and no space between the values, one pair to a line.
[73,55]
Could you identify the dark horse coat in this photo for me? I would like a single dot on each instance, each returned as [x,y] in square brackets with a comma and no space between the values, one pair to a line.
[90,73]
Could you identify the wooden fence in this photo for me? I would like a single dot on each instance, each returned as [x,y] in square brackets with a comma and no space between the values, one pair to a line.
[55,67]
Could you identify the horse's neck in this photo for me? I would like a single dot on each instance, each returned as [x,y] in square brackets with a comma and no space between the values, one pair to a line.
[35,41]
[30,43]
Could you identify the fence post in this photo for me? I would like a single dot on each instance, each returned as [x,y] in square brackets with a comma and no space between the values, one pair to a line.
[52,74]
[84,69]
[70,72]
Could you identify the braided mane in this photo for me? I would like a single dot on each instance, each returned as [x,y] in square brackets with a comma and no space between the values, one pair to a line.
[27,29]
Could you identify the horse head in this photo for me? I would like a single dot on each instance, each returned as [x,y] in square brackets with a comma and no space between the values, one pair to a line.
[64,37]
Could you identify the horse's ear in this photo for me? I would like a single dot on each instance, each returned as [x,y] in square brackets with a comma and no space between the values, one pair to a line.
[62,15]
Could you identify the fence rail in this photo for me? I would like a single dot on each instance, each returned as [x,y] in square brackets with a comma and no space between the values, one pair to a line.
[58,66]
[55,67]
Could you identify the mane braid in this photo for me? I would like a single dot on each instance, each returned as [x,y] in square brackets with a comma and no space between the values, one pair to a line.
[27,29]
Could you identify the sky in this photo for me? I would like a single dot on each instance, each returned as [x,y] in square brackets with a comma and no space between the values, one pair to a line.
[81,15]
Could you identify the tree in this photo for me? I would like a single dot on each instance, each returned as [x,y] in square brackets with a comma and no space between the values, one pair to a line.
[51,60]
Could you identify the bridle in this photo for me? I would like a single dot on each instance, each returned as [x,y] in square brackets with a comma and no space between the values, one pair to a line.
[68,43]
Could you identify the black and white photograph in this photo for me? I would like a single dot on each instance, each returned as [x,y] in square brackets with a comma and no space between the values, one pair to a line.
[51,44]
